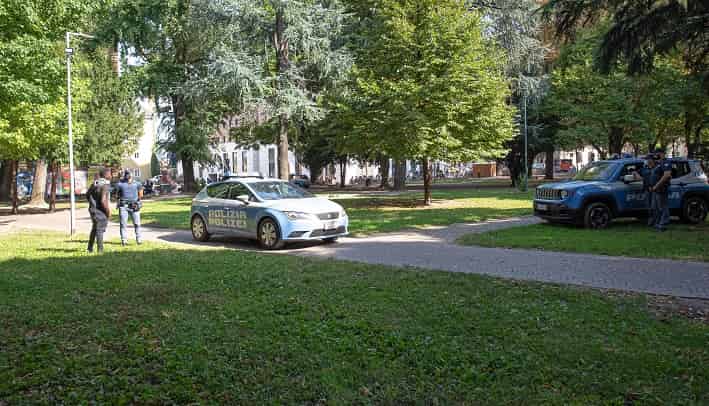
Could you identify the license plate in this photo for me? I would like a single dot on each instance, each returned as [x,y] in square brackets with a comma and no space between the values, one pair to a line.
[542,207]
[329,225]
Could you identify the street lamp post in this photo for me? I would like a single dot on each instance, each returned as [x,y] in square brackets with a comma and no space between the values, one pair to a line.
[526,161]
[72,182]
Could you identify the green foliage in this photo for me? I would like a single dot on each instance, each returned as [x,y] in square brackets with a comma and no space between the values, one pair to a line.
[112,122]
[429,81]
[610,110]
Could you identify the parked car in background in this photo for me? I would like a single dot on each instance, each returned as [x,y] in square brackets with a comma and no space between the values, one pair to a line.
[300,181]
[24,185]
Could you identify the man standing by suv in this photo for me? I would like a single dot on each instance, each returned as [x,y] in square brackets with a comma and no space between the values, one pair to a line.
[661,190]
[647,175]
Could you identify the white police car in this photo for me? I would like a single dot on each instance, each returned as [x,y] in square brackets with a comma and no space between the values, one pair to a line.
[271,211]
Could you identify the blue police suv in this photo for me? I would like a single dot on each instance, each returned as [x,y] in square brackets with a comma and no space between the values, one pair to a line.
[271,211]
[605,190]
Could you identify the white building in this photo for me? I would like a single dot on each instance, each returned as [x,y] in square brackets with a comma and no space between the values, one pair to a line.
[139,161]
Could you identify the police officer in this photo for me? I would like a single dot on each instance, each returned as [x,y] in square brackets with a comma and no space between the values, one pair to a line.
[647,175]
[661,190]
[99,209]
[129,204]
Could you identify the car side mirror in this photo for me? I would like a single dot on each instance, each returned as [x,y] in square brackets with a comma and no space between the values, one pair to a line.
[629,178]
[243,199]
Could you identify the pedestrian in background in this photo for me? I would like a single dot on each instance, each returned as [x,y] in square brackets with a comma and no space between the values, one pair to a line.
[661,190]
[129,203]
[99,209]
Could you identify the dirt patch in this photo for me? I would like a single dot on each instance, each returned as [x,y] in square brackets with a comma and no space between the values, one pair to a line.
[664,307]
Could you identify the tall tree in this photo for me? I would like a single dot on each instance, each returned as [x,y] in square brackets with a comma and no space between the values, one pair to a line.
[297,42]
[173,40]
[640,30]
[433,89]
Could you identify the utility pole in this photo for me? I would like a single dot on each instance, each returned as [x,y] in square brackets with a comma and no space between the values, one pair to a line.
[72,182]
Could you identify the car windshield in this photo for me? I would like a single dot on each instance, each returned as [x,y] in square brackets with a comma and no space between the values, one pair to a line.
[596,171]
[278,191]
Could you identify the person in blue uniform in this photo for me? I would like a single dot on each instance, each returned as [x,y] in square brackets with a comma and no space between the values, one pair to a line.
[129,203]
[661,190]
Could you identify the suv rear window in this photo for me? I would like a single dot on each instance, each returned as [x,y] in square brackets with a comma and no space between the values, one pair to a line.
[680,169]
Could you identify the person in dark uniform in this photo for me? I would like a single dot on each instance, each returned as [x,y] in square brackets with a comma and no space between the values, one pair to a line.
[129,195]
[99,209]
[661,190]
[647,175]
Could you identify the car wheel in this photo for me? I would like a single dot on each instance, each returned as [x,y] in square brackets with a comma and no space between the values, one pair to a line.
[694,210]
[598,216]
[269,235]
[199,229]
[331,240]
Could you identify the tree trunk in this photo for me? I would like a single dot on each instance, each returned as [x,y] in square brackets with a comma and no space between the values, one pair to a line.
[5,180]
[400,174]
[384,171]
[616,141]
[13,186]
[427,178]
[688,135]
[283,64]
[53,191]
[39,184]
[298,169]
[343,172]
[178,105]
[283,165]
[549,164]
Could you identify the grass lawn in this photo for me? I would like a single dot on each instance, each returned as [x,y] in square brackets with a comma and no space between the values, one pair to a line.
[630,239]
[384,213]
[159,324]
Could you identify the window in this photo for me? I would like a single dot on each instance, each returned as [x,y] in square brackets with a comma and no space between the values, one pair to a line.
[278,191]
[136,173]
[596,171]
[271,162]
[137,155]
[630,169]
[237,190]
[244,161]
[257,163]
[218,191]
[234,166]
[680,169]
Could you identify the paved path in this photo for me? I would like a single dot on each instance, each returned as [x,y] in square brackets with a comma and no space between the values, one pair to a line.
[434,249]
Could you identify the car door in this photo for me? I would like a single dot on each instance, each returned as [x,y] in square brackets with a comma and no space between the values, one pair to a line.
[682,178]
[236,208]
[216,219]
[631,196]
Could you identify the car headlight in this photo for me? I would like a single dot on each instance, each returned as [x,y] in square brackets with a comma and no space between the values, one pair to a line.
[566,193]
[296,215]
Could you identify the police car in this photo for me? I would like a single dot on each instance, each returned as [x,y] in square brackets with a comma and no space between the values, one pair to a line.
[605,190]
[271,211]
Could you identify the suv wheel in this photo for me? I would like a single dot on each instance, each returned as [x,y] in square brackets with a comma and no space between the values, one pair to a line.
[694,210]
[199,229]
[597,216]
[269,235]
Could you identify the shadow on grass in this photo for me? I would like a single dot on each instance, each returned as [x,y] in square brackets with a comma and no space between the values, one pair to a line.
[154,324]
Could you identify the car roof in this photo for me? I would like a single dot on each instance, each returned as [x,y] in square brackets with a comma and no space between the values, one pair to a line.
[249,180]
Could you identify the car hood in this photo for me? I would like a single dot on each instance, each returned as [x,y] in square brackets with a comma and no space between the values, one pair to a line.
[312,205]
[574,184]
